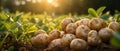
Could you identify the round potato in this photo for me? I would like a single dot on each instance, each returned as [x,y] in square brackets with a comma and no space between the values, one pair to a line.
[84,21]
[114,26]
[39,32]
[82,32]
[71,27]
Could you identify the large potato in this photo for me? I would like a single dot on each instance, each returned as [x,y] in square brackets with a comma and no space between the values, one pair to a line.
[82,32]
[114,26]
[71,28]
[105,34]
[40,40]
[93,38]
[65,22]
[78,44]
[67,38]
[97,23]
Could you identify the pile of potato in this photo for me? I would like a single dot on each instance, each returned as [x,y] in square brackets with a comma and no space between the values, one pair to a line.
[76,35]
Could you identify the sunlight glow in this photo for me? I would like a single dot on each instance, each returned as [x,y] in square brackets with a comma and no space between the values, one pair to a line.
[50,1]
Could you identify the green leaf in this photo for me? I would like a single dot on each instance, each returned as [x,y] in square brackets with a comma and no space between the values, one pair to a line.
[92,12]
[105,17]
[17,17]
[100,10]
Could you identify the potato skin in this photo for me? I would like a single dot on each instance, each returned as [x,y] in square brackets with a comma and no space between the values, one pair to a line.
[54,34]
[105,34]
[65,22]
[78,44]
[40,40]
[93,38]
[82,32]
[70,28]
[67,38]
[84,21]
[55,43]
[114,26]
[39,32]
[97,24]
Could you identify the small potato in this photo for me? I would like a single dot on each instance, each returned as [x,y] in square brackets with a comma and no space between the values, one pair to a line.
[97,24]
[39,32]
[114,26]
[71,27]
[65,22]
[40,40]
[55,43]
[82,32]
[54,34]
[62,33]
[67,38]
[105,34]
[93,38]
[78,44]
[84,21]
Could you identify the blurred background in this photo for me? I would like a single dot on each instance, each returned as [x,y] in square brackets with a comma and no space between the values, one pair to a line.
[58,6]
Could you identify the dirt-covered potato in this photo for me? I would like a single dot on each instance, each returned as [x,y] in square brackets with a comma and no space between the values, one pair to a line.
[78,44]
[65,22]
[70,28]
[93,38]
[97,23]
[67,38]
[55,43]
[84,21]
[62,33]
[54,34]
[39,32]
[105,34]
[114,26]
[82,32]
[40,40]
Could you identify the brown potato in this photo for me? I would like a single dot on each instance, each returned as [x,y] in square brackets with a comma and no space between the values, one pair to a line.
[39,32]
[71,27]
[62,33]
[67,38]
[105,34]
[84,21]
[54,34]
[97,24]
[40,40]
[78,44]
[65,22]
[82,32]
[93,38]
[55,43]
[114,26]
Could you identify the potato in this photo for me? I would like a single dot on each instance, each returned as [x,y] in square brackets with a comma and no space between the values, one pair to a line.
[62,33]
[39,32]
[82,32]
[70,28]
[65,22]
[78,44]
[54,34]
[84,21]
[40,40]
[55,43]
[93,38]
[97,24]
[67,38]
[114,26]
[105,34]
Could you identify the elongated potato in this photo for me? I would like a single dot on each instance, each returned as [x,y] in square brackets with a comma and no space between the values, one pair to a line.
[114,26]
[97,24]
[93,38]
[78,44]
[65,22]
[71,28]
[82,32]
